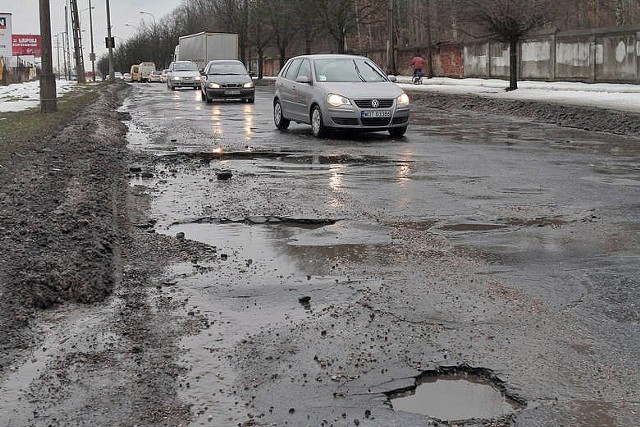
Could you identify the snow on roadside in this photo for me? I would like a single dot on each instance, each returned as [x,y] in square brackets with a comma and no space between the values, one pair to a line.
[21,96]
[624,97]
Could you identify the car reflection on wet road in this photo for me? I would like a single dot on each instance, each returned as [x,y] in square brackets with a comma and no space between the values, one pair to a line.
[474,241]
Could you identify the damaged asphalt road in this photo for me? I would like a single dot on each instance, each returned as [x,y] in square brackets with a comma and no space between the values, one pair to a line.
[321,280]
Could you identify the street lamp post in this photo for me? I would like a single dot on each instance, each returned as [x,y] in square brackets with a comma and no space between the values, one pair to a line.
[152,15]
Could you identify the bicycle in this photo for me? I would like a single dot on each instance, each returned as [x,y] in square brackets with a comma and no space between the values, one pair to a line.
[417,77]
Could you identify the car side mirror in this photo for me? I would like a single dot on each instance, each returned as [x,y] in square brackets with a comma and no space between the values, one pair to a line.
[252,73]
[202,73]
[392,78]
[303,79]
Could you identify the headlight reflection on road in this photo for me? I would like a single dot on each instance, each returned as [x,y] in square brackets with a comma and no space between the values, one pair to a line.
[247,111]
[335,184]
[216,118]
[403,171]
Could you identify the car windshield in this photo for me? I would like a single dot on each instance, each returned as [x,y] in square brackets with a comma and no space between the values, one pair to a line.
[347,70]
[227,68]
[186,66]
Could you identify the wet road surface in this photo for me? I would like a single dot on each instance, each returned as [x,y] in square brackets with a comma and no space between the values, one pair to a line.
[348,266]
[488,261]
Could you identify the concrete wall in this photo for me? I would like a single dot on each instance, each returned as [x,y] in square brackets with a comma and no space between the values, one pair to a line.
[499,57]
[476,60]
[617,58]
[574,58]
[535,59]
[606,55]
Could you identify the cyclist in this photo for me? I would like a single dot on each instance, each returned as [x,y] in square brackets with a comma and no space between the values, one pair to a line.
[417,63]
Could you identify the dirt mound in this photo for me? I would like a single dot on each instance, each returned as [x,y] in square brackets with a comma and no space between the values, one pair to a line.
[592,119]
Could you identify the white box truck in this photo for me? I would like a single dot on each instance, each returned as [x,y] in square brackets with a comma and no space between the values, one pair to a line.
[204,47]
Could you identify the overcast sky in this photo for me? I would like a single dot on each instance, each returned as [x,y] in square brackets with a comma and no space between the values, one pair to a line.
[25,18]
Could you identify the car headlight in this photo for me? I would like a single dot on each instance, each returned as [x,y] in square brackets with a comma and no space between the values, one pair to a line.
[197,78]
[337,100]
[176,78]
[214,85]
[403,100]
[248,85]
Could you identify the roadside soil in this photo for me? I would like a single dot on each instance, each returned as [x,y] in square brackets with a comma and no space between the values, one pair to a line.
[74,232]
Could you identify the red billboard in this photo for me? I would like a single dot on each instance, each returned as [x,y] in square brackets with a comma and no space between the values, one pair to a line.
[26,44]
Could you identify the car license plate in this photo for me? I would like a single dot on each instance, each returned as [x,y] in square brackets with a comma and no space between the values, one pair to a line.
[375,113]
[232,92]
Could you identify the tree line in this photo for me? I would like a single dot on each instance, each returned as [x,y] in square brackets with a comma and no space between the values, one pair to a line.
[282,28]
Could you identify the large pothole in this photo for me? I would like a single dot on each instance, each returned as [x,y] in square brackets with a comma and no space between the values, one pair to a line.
[457,394]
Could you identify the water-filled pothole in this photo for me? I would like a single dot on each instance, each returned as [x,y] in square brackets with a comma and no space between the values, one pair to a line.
[454,394]
[472,227]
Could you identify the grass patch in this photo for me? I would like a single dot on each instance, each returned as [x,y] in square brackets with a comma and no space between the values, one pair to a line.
[23,130]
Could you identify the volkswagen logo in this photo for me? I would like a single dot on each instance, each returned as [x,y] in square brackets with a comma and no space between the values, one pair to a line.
[375,103]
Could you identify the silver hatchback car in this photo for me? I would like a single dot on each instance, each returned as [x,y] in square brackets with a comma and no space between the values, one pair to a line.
[339,92]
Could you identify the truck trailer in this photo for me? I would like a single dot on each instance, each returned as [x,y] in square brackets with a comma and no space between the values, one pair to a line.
[204,47]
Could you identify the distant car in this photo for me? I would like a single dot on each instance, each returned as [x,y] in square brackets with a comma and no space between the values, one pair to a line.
[118,75]
[335,91]
[183,74]
[226,79]
[155,76]
[163,75]
[126,77]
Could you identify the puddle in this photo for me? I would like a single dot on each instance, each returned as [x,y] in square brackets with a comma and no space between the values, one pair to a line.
[472,227]
[246,243]
[455,396]
[344,233]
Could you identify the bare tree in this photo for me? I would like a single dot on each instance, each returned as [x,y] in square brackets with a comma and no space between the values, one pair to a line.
[259,35]
[339,18]
[508,21]
[280,14]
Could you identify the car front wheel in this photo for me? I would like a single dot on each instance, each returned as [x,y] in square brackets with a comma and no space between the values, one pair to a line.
[317,125]
[397,132]
[280,122]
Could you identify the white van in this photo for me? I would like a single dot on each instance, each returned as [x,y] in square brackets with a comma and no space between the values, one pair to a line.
[144,69]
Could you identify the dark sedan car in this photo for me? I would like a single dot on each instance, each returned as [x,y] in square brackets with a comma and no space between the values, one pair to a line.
[226,79]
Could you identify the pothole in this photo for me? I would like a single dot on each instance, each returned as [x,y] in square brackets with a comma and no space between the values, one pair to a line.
[472,227]
[457,394]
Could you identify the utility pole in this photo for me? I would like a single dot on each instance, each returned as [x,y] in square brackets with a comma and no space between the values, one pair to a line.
[48,101]
[429,51]
[77,41]
[110,45]
[57,36]
[391,62]
[92,55]
[66,33]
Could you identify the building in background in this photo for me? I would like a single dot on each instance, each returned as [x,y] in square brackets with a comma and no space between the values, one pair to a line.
[5,35]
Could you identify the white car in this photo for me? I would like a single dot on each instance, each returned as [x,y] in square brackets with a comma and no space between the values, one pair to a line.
[183,74]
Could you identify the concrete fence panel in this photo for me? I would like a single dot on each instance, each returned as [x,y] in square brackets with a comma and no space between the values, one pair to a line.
[574,58]
[536,59]
[619,59]
[499,60]
[476,60]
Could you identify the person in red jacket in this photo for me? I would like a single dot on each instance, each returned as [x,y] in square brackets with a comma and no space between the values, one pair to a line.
[417,63]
